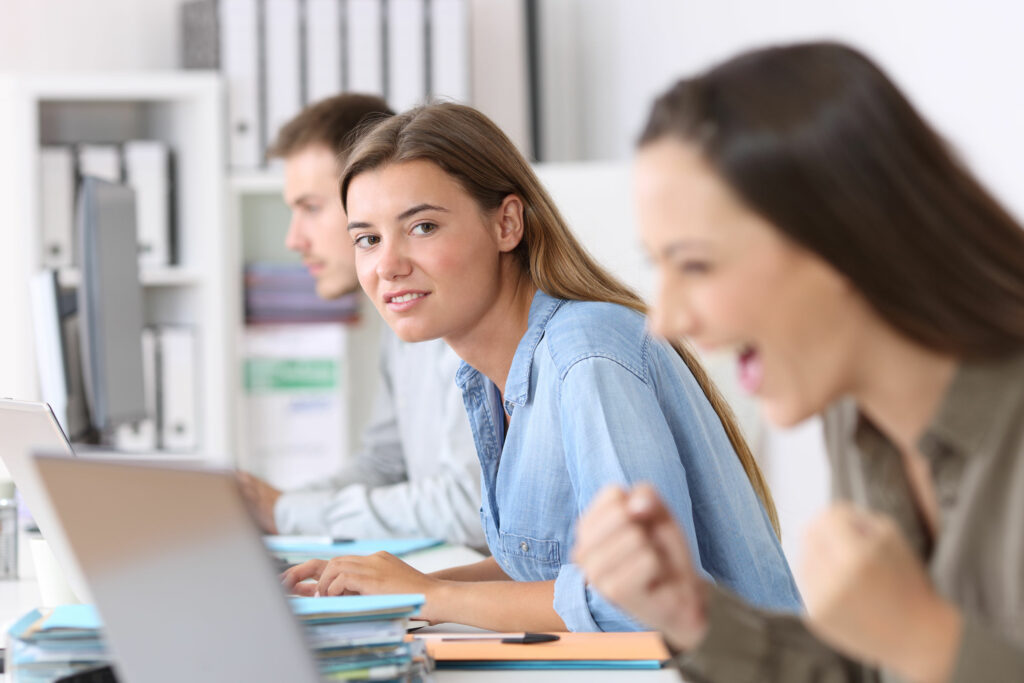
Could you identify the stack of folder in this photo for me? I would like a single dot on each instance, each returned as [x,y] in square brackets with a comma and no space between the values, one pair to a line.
[354,638]
[47,644]
[286,293]
[362,637]
[299,549]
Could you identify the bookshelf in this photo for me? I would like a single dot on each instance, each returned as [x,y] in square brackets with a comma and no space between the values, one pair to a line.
[183,110]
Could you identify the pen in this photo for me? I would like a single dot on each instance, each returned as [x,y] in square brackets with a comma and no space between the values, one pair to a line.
[513,638]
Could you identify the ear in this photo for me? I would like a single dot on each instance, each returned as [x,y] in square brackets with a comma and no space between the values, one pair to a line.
[508,223]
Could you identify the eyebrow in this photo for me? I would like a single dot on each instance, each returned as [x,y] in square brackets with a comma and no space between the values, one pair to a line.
[683,245]
[405,215]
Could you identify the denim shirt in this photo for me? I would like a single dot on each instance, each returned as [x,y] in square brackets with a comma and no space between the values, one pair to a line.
[593,399]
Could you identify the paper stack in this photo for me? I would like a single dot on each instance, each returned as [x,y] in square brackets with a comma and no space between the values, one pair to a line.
[361,637]
[298,549]
[354,638]
[47,644]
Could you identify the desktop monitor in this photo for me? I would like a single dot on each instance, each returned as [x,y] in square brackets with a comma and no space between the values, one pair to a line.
[110,304]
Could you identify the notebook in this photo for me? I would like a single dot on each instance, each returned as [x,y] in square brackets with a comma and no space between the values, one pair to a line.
[639,650]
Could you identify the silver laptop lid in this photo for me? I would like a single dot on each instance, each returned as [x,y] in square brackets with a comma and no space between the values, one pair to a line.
[27,426]
[178,572]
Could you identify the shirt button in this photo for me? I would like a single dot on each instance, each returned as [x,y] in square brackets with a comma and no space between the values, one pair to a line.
[524,546]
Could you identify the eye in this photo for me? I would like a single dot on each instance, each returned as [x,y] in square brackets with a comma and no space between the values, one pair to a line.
[366,241]
[424,228]
[694,267]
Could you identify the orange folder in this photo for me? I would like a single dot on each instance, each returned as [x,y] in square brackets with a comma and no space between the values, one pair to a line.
[593,647]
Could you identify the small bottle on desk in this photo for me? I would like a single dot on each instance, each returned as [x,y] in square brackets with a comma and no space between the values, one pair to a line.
[8,532]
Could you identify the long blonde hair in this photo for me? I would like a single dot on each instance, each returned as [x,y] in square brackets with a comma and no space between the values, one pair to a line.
[472,149]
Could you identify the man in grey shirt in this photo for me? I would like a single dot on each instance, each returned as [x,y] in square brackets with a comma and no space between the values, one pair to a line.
[417,473]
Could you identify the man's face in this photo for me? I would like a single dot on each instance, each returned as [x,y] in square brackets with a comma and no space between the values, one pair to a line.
[318,227]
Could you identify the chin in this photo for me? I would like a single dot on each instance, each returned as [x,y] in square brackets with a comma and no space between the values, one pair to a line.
[410,333]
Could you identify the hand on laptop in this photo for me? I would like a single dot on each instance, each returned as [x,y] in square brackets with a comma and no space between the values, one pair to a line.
[261,498]
[357,575]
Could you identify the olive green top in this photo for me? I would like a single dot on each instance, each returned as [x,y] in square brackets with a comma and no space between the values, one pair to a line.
[975,449]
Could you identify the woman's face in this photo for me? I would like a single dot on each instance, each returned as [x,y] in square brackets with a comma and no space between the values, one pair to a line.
[426,255]
[729,280]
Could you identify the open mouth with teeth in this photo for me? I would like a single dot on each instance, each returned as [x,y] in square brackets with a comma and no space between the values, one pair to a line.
[751,370]
[411,296]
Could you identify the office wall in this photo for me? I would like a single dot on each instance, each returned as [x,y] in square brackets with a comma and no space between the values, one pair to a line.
[961,62]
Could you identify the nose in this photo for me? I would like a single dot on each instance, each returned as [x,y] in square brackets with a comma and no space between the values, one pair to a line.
[672,315]
[392,261]
[295,239]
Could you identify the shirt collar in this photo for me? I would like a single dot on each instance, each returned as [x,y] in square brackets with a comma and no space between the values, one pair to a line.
[517,385]
[975,393]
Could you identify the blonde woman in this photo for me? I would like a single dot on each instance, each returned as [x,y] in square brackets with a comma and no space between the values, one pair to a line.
[565,390]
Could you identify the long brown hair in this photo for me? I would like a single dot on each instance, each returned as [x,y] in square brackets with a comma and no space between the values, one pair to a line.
[816,139]
[472,149]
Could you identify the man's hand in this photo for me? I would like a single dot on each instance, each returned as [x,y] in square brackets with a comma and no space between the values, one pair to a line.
[869,596]
[261,497]
[630,549]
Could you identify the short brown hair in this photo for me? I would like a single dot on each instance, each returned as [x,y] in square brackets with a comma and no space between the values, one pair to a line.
[330,122]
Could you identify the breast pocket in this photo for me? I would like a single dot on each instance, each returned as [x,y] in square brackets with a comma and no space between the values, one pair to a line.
[527,558]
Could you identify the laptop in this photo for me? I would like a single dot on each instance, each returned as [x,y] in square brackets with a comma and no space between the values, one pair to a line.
[27,426]
[178,571]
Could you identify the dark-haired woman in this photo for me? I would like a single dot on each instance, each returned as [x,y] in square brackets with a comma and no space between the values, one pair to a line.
[800,211]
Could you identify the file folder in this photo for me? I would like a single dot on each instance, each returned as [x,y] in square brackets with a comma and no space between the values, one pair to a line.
[449,49]
[364,47]
[100,161]
[324,53]
[407,53]
[148,171]
[239,62]
[178,396]
[283,70]
[57,206]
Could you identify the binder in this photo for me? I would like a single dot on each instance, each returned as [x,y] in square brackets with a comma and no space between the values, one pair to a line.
[176,383]
[239,60]
[100,161]
[142,435]
[407,53]
[323,47]
[147,169]
[364,40]
[283,71]
[449,49]
[199,45]
[57,206]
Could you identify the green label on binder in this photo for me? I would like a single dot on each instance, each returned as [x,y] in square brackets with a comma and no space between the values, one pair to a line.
[281,374]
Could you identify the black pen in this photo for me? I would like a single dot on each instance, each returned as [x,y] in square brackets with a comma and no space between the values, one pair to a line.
[513,638]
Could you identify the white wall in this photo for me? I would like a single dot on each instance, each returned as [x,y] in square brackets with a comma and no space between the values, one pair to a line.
[88,35]
[961,63]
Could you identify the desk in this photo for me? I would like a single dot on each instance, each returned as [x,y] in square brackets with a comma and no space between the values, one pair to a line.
[19,597]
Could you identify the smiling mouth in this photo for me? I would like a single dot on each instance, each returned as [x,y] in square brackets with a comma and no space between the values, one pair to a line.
[404,297]
[751,370]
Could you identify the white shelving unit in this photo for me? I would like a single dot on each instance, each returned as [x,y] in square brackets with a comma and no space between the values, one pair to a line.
[184,110]
[257,223]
